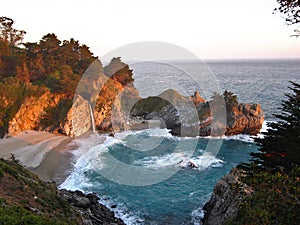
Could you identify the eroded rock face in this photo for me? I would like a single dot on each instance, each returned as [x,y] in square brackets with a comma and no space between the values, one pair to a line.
[113,101]
[245,119]
[29,115]
[226,198]
[113,106]
[194,117]
[79,120]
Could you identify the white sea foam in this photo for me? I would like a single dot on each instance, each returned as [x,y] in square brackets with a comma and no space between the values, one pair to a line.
[121,211]
[244,137]
[240,137]
[143,140]
[180,159]
[162,161]
[155,132]
[197,215]
[204,161]
[89,156]
[264,128]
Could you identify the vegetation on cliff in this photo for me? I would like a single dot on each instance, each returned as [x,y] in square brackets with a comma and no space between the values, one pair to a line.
[222,115]
[275,198]
[274,171]
[54,68]
[29,69]
[25,199]
[280,148]
[269,187]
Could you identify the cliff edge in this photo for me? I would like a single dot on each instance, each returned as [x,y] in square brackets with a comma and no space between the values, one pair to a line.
[227,196]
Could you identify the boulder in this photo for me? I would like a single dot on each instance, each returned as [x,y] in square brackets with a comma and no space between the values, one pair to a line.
[90,209]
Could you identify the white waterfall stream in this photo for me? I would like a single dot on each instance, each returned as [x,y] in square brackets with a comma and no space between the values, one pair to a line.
[92,118]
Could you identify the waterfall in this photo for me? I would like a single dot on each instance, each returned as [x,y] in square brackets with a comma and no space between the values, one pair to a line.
[92,118]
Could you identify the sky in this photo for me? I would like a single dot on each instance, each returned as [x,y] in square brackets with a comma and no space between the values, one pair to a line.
[231,29]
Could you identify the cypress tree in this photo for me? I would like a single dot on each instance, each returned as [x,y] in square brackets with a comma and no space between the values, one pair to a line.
[280,147]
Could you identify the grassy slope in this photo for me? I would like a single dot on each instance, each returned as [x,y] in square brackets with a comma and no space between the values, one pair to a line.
[24,199]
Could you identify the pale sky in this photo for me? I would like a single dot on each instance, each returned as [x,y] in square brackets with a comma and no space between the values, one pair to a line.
[216,29]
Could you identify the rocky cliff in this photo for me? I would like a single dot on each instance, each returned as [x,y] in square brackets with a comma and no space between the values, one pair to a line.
[226,198]
[32,109]
[100,99]
[91,211]
[244,119]
[193,116]
[106,99]
[25,199]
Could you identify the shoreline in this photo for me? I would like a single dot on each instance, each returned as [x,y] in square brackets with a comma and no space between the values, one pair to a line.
[50,156]
[47,155]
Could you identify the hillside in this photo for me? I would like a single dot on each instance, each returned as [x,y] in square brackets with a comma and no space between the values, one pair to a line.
[24,199]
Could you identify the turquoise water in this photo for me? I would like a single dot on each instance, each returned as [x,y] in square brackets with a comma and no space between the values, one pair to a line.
[143,176]
[177,199]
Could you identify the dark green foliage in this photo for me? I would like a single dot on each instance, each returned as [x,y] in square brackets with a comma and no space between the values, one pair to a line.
[8,34]
[57,65]
[290,10]
[276,199]
[55,116]
[51,62]
[274,173]
[18,205]
[280,147]
[228,98]
[148,105]
[10,38]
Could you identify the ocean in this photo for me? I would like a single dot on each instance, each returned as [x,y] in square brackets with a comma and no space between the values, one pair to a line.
[144,175]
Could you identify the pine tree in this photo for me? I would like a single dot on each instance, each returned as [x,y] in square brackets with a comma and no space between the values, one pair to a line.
[280,148]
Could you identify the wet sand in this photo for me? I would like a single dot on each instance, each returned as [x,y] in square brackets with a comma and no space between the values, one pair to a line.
[48,155]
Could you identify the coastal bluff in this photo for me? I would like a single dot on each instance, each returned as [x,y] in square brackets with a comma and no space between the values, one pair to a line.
[106,101]
[26,199]
[119,107]
[226,199]
[58,113]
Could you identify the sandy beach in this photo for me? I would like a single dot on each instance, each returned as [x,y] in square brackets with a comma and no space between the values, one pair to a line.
[46,154]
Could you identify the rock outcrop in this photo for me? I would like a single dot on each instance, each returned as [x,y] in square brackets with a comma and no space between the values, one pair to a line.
[113,106]
[91,211]
[245,119]
[196,98]
[106,99]
[79,119]
[226,198]
[193,116]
